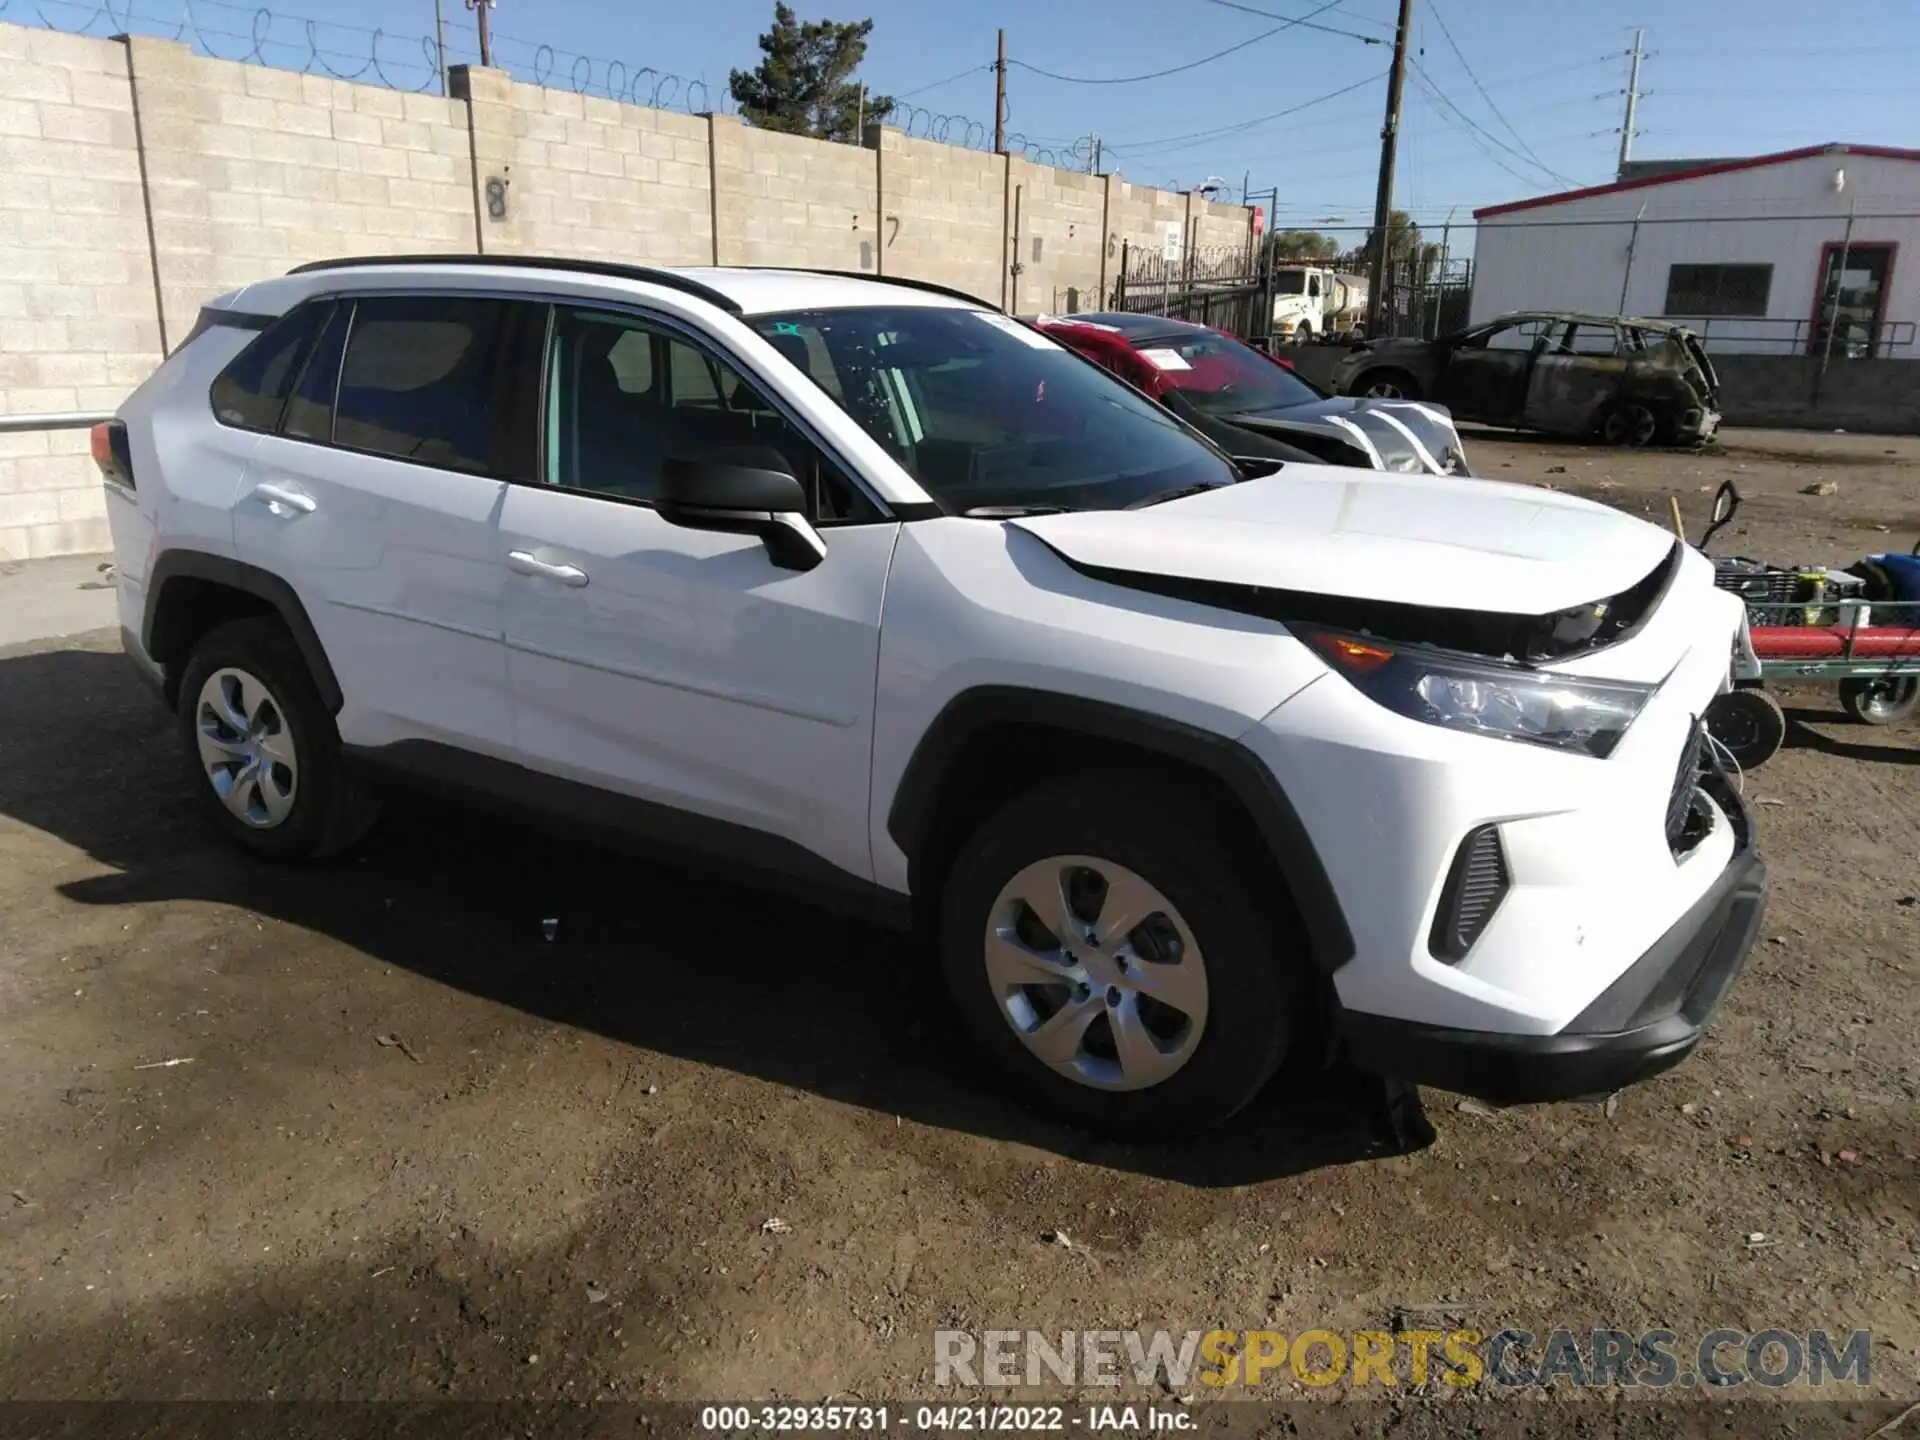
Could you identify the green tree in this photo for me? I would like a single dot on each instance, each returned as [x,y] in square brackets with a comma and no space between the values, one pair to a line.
[804,83]
[1403,241]
[1302,245]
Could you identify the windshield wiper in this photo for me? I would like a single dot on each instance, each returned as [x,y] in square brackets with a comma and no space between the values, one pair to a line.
[1011,512]
[1180,493]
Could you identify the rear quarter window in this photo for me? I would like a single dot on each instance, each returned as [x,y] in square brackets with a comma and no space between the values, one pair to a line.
[252,391]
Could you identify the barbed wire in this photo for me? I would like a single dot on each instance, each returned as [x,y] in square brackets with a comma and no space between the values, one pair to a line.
[259,35]
[971,134]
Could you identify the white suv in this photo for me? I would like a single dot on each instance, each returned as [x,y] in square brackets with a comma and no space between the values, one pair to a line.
[856,584]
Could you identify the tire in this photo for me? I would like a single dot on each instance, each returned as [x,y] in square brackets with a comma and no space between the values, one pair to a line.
[1750,724]
[1303,336]
[301,799]
[1880,699]
[1205,943]
[1630,425]
[1387,384]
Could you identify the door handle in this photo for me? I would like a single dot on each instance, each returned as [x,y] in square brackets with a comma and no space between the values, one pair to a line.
[522,563]
[280,498]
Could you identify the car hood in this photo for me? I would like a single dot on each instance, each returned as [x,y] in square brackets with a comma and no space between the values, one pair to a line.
[1434,540]
[1397,435]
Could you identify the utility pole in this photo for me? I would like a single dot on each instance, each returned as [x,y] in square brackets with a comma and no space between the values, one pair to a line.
[1094,168]
[440,42]
[483,9]
[1383,197]
[1633,98]
[1000,98]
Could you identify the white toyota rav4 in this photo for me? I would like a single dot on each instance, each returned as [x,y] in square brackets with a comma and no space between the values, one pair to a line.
[858,585]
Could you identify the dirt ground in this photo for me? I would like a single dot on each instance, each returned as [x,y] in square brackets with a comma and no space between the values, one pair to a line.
[365,1131]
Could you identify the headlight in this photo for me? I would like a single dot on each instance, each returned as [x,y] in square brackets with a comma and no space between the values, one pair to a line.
[1484,697]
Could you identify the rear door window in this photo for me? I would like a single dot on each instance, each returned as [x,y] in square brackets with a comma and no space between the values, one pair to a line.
[444,381]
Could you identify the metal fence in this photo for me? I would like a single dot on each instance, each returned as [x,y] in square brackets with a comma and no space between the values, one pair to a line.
[1426,296]
[1220,286]
[1754,335]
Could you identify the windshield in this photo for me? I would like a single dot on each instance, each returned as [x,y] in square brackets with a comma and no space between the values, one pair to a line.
[1290,282]
[1221,376]
[983,411]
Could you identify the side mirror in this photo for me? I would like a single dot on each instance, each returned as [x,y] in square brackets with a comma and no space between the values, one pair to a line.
[743,492]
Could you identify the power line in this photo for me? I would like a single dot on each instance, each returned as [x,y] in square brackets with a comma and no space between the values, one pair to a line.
[1467,127]
[1433,9]
[1303,24]
[936,84]
[1136,145]
[1176,69]
[1434,93]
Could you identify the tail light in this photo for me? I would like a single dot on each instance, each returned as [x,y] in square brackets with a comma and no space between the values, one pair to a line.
[113,455]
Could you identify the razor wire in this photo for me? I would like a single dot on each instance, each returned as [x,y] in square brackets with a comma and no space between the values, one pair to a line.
[259,35]
[971,134]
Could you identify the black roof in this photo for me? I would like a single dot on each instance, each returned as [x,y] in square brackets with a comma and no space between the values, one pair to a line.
[1135,326]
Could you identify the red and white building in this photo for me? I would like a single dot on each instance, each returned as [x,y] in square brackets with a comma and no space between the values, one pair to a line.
[1798,252]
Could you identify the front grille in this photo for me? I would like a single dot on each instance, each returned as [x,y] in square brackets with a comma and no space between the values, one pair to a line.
[1688,818]
[1476,884]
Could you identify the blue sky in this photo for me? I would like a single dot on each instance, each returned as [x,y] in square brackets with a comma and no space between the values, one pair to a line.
[1509,98]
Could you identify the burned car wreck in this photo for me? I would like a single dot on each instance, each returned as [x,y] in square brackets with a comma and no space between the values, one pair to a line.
[1619,380]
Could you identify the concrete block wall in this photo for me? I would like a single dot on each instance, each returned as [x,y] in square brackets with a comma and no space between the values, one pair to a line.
[78,327]
[251,171]
[943,214]
[1143,218]
[1058,223]
[555,173]
[141,180]
[787,200]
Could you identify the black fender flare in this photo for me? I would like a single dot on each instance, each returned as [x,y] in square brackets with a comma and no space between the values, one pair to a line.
[252,580]
[915,802]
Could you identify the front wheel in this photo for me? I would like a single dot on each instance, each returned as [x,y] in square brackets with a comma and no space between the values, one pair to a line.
[1880,699]
[1111,963]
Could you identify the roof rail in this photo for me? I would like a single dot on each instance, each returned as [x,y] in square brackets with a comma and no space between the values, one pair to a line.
[927,285]
[670,279]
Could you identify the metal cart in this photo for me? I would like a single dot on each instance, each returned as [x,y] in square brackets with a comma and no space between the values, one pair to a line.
[1871,648]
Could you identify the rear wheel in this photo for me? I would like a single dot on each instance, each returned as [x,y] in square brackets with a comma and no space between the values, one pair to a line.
[1629,424]
[262,749]
[1388,385]
[1749,724]
[1880,699]
[1107,957]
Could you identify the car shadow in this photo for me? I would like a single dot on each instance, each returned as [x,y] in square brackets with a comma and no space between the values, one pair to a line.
[1802,736]
[641,952]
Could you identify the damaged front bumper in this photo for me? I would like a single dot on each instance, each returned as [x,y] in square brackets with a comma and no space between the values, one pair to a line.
[1646,1022]
[1696,426]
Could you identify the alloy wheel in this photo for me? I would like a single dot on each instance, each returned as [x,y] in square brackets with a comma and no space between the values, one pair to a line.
[1096,972]
[1383,390]
[246,748]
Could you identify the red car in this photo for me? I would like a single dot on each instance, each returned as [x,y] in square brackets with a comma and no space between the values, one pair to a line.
[1240,397]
